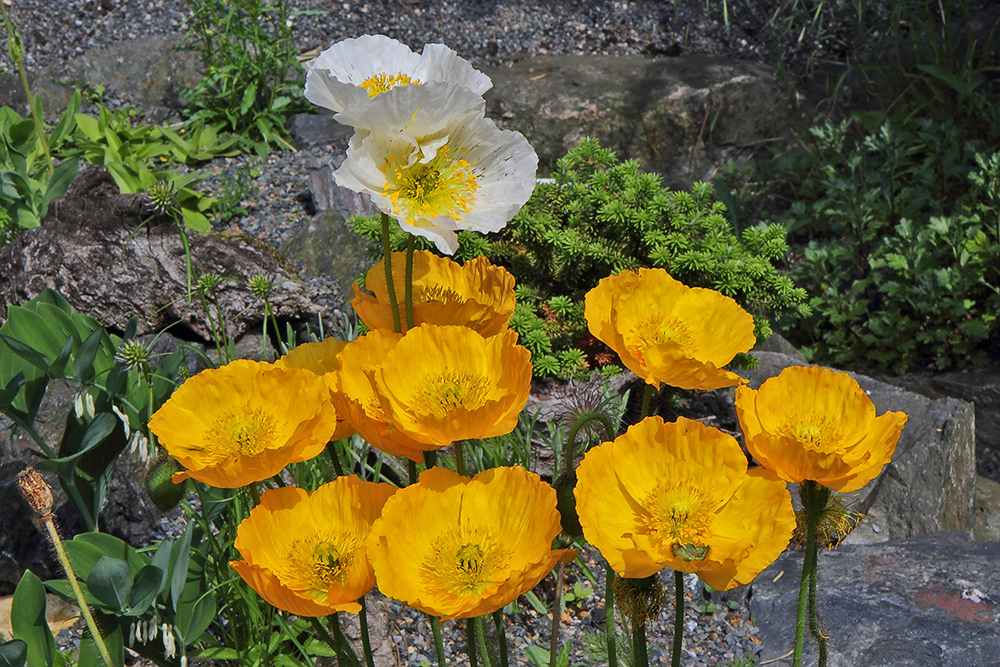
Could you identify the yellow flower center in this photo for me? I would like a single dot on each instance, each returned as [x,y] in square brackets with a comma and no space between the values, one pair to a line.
[248,430]
[678,516]
[465,562]
[381,82]
[817,434]
[441,186]
[449,389]
[320,561]
[440,294]
[655,330]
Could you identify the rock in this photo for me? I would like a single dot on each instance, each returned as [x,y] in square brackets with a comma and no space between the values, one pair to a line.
[683,117]
[379,631]
[987,506]
[981,387]
[929,601]
[928,485]
[146,70]
[94,249]
[318,129]
[327,246]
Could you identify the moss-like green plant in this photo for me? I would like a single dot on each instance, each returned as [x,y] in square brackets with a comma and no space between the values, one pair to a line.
[598,216]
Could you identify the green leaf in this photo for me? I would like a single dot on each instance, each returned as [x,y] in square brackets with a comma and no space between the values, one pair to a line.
[83,362]
[194,616]
[59,183]
[26,352]
[27,620]
[110,582]
[179,558]
[147,585]
[13,653]
[196,221]
[249,96]
[58,367]
[89,126]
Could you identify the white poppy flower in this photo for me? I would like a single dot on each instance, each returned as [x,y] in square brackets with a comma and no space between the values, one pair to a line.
[352,72]
[434,163]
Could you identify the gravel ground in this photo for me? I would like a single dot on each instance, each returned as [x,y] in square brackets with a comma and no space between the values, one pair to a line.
[489,34]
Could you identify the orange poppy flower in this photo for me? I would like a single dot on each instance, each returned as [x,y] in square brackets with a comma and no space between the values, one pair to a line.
[244,422]
[456,547]
[665,331]
[476,294]
[440,384]
[817,424]
[305,552]
[679,495]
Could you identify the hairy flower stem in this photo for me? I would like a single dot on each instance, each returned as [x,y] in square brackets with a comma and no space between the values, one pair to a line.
[387,261]
[813,500]
[556,612]
[481,641]
[501,636]
[459,459]
[470,640]
[611,636]
[821,496]
[640,656]
[331,450]
[438,642]
[647,399]
[53,535]
[366,641]
[675,656]
[408,288]
[411,468]
[254,494]
[430,459]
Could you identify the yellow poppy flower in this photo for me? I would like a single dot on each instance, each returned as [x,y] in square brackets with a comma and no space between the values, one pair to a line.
[679,495]
[456,547]
[320,358]
[817,424]
[476,294]
[665,331]
[244,422]
[305,552]
[358,401]
[442,384]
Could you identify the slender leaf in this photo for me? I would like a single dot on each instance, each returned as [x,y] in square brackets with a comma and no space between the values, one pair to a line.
[27,620]
[13,653]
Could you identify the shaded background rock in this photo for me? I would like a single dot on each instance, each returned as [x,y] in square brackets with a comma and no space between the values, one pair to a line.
[94,249]
[914,602]
[682,117]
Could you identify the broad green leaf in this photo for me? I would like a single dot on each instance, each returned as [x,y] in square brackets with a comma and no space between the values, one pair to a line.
[147,585]
[180,557]
[110,582]
[13,653]
[89,126]
[27,620]
[111,632]
[196,221]
[83,362]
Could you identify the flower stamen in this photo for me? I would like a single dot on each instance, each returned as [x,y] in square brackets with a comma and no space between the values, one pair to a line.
[428,189]
[382,82]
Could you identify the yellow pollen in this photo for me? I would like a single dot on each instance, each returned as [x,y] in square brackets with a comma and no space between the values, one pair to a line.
[441,186]
[655,330]
[320,561]
[248,430]
[677,515]
[448,390]
[465,562]
[439,294]
[381,82]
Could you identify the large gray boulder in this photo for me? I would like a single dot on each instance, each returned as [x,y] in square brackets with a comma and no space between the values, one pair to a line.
[97,249]
[683,117]
[932,601]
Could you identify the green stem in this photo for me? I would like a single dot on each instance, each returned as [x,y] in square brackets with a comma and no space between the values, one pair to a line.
[470,640]
[331,450]
[501,636]
[254,493]
[815,627]
[438,642]
[611,636]
[387,261]
[18,59]
[53,534]
[808,493]
[481,641]
[408,288]
[345,655]
[411,468]
[640,656]
[675,657]
[459,459]
[430,459]
[647,399]
[366,641]
[556,614]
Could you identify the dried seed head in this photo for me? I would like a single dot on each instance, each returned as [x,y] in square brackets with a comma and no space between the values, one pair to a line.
[36,491]
[640,600]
